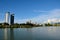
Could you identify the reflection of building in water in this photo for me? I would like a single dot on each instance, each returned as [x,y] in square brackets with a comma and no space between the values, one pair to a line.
[5,34]
[11,34]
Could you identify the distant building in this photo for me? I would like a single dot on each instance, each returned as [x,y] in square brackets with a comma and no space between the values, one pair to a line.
[7,17]
[12,19]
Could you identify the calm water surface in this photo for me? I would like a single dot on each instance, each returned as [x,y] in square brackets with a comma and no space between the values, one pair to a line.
[36,33]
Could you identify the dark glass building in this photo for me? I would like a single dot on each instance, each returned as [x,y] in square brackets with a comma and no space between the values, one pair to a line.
[12,19]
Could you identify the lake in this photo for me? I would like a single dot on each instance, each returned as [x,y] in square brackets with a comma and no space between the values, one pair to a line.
[35,33]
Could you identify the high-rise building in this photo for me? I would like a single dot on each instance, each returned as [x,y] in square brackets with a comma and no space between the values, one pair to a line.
[12,19]
[7,17]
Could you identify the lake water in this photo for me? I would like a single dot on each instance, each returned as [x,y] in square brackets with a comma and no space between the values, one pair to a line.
[35,33]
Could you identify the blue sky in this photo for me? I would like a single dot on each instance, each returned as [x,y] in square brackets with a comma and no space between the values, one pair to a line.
[35,10]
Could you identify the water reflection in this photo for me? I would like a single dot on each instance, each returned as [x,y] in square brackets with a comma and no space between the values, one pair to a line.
[11,34]
[51,29]
[5,34]
[38,33]
[29,32]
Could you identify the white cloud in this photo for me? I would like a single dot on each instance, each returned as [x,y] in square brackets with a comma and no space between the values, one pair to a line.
[39,11]
[21,20]
[1,21]
[53,20]
[52,15]
[55,12]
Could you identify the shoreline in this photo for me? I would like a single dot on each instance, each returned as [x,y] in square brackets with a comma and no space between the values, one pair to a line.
[29,26]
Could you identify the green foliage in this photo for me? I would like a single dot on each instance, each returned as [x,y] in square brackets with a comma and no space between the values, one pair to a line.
[48,24]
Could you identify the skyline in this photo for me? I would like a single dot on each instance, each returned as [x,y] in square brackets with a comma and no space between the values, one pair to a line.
[39,11]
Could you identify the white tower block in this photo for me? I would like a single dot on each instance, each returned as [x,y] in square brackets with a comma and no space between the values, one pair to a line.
[7,17]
